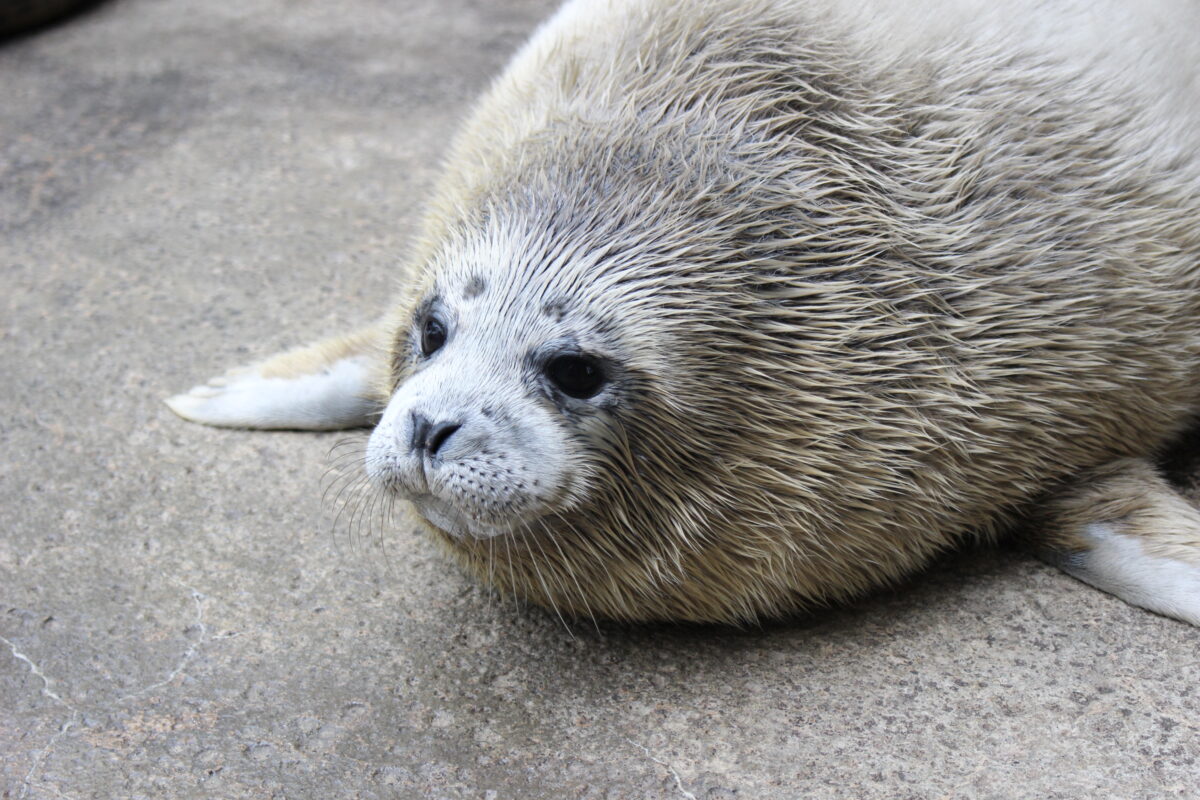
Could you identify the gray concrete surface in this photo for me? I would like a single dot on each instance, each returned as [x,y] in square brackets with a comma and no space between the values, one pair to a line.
[188,185]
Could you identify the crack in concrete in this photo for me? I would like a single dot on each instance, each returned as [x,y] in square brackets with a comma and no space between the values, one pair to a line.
[40,756]
[669,768]
[198,598]
[27,781]
[36,671]
[47,690]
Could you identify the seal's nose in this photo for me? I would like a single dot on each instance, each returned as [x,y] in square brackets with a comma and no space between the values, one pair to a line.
[428,437]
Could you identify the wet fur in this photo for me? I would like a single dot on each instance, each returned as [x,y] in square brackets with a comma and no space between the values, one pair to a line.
[869,302]
[900,302]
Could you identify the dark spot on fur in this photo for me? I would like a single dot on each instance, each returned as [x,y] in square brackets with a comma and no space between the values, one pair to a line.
[475,287]
[556,309]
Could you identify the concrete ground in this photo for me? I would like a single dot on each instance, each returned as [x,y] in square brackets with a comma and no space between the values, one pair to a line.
[188,185]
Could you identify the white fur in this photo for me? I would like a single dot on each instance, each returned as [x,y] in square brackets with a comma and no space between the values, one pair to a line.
[1118,564]
[501,468]
[331,399]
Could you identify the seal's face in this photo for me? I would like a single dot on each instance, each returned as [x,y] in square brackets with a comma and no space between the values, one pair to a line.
[503,386]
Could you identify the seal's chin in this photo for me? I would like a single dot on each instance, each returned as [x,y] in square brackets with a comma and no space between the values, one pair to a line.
[453,522]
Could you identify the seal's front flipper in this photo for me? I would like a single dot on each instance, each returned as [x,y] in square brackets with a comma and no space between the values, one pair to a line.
[327,386]
[1125,530]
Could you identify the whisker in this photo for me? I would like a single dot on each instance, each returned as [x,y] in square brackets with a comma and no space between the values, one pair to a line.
[566,565]
[352,441]
[509,544]
[348,500]
[491,572]
[337,482]
[343,482]
[542,580]
[362,515]
[376,518]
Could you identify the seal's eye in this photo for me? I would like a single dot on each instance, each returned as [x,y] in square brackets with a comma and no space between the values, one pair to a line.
[433,336]
[580,377]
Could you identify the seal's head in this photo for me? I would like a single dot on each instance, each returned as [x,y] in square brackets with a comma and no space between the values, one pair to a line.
[510,383]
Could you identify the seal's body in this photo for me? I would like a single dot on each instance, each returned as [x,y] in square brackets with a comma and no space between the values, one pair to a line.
[727,308]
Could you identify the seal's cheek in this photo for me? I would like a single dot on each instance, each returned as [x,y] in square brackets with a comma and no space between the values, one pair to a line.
[474,463]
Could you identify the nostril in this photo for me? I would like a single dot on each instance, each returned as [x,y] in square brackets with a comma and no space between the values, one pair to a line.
[438,434]
[420,432]
[429,437]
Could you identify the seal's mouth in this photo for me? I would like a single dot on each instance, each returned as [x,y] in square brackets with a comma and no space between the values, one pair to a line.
[483,478]
[453,522]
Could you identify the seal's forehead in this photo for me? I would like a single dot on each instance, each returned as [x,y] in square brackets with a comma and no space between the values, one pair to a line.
[525,279]
[531,279]
[479,289]
[515,307]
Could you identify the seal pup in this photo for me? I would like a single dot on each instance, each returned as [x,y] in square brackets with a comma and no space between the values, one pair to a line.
[725,309]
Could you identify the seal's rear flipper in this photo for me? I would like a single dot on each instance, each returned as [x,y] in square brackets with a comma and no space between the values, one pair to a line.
[1125,530]
[327,386]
